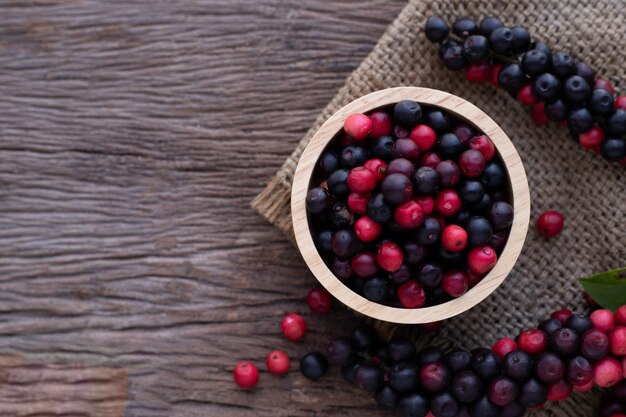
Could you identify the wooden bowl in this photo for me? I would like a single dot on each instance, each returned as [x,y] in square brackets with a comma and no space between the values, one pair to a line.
[464,111]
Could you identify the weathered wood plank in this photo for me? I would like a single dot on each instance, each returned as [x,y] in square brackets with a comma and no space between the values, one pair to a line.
[133,273]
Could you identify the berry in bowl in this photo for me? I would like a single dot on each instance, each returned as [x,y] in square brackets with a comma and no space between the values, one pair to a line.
[410,205]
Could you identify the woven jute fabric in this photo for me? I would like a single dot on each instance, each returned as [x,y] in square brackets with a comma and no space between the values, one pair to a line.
[589,192]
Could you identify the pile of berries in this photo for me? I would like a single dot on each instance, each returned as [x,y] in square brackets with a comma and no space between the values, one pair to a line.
[566,353]
[552,84]
[411,206]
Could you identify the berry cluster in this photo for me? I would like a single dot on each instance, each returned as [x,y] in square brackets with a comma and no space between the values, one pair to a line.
[411,209]
[553,85]
[566,352]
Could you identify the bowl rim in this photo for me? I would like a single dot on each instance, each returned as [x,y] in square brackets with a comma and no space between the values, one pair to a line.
[461,109]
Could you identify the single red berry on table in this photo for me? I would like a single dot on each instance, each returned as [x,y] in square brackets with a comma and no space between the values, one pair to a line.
[472,163]
[381,124]
[367,230]
[504,346]
[620,102]
[559,391]
[293,327]
[532,341]
[389,256]
[618,341]
[358,126]
[526,96]
[246,374]
[358,202]
[411,294]
[427,203]
[562,315]
[537,113]
[424,137]
[378,167]
[620,316]
[478,73]
[409,215]
[607,372]
[603,320]
[364,264]
[454,283]
[361,180]
[448,203]
[481,259]
[484,145]
[550,223]
[277,362]
[454,238]
[591,138]
[495,71]
[603,84]
[430,159]
[319,300]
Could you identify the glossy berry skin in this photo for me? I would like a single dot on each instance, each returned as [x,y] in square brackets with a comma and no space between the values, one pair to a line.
[512,77]
[479,231]
[319,300]
[389,256]
[407,113]
[533,341]
[501,41]
[386,397]
[526,96]
[547,87]
[467,387]
[377,167]
[478,73]
[502,390]
[424,137]
[427,203]
[564,342]
[557,111]
[293,327]
[484,408]
[313,365]
[580,120]
[576,90]
[503,347]
[489,24]
[521,39]
[518,365]
[404,376]
[438,120]
[338,183]
[277,362]
[381,148]
[562,315]
[413,405]
[344,243]
[607,372]
[358,126]
[563,65]
[601,102]
[454,238]
[449,146]
[434,377]
[366,229]
[484,145]
[430,159]
[579,371]
[426,180]
[617,338]
[409,215]
[455,283]
[246,375]
[378,210]
[535,62]
[472,163]
[603,320]
[353,156]
[591,138]
[340,216]
[401,348]
[457,360]
[613,149]
[341,352]
[318,200]
[437,29]
[397,188]
[358,202]
[559,391]
[364,337]
[485,363]
[341,269]
[481,259]
[405,148]
[448,203]
[476,48]
[532,393]
[550,223]
[430,274]
[429,232]
[550,325]
[494,177]
[549,368]
[361,180]
[500,215]
[376,289]
[604,84]
[579,323]
[414,253]
[464,27]
[381,124]
[452,56]
[411,294]
[448,173]
[329,162]
[444,405]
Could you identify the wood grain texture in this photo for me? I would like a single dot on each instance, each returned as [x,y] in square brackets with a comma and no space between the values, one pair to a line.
[465,112]
[133,273]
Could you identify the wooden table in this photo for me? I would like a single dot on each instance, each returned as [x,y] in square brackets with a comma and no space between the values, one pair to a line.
[133,273]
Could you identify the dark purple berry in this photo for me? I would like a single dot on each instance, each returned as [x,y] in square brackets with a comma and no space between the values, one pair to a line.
[386,398]
[401,275]
[550,325]
[547,87]
[341,352]
[434,377]
[338,183]
[502,390]
[485,363]
[613,149]
[342,269]
[580,120]
[378,209]
[430,274]
[449,146]
[396,188]
[428,355]
[500,215]
[438,120]
[549,368]
[476,48]
[426,180]
[437,29]
[344,243]
[458,360]
[448,173]
[518,365]
[540,46]
[464,27]
[405,148]
[353,156]
[375,289]
[585,71]
[494,177]
[501,41]
[349,371]
[616,123]
[532,393]
[429,232]
[601,102]
[382,148]
[323,241]
[414,253]
[407,113]
[404,376]
[489,24]
[313,365]
[579,323]
[511,77]
[564,342]
[479,231]
[563,65]
[467,387]
[579,371]
[444,405]
[535,63]
[364,337]
[401,166]
[521,39]
[471,191]
[401,348]
[576,90]
[413,405]
[329,162]
[595,344]
[340,216]
[369,377]
[484,408]
[557,111]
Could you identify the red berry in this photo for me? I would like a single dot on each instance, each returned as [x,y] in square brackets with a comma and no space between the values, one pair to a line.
[603,320]
[364,264]
[590,301]
[358,126]
[424,137]
[618,341]
[409,215]
[533,341]
[293,327]
[585,387]
[454,283]
[481,259]
[562,315]
[591,138]
[550,223]
[430,159]
[478,73]
[620,102]
[246,374]
[620,316]
[358,202]
[448,203]
[603,84]
[411,294]
[389,256]
[472,163]
[381,124]
[538,115]
[454,238]
[473,278]
[319,300]
[526,96]
[495,71]
[277,362]
[607,372]
[366,229]
[484,145]
[361,180]
[427,203]
[378,167]
[504,346]
[559,391]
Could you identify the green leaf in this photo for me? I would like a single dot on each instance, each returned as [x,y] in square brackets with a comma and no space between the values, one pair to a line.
[608,289]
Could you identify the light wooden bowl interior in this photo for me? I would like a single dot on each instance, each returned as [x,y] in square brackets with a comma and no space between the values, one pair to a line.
[462,110]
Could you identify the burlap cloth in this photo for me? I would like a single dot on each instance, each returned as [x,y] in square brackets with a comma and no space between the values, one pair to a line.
[590,192]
